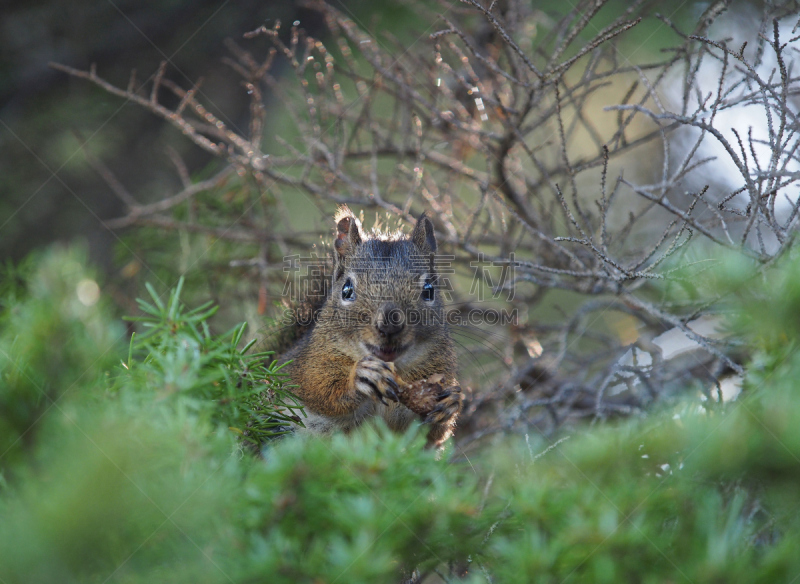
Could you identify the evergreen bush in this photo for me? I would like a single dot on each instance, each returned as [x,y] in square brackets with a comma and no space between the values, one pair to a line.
[128,463]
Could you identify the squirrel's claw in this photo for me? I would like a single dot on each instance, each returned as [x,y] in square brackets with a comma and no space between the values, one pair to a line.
[376,378]
[450,402]
[392,390]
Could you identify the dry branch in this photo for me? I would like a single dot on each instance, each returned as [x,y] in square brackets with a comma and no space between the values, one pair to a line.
[483,131]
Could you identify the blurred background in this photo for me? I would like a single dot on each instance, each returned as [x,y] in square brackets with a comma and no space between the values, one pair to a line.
[64,142]
[59,134]
[49,192]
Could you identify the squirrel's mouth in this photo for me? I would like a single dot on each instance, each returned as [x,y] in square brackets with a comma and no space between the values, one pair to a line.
[386,352]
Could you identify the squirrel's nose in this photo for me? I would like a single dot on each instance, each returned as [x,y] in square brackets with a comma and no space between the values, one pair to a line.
[390,321]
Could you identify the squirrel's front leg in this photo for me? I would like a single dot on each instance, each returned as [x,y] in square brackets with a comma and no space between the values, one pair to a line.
[437,405]
[442,418]
[375,378]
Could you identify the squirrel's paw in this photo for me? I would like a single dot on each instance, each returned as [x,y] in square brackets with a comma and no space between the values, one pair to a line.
[434,402]
[448,405]
[438,406]
[376,378]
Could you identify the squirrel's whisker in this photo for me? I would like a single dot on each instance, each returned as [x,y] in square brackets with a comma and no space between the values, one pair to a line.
[500,337]
[496,340]
[474,360]
[481,342]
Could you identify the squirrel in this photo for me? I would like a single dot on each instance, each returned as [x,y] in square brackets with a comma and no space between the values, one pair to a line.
[378,343]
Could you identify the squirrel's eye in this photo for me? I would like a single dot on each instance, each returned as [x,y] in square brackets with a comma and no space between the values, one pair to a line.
[427,292]
[348,290]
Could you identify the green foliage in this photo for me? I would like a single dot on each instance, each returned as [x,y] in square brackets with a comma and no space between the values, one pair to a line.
[769,300]
[362,508]
[53,343]
[133,475]
[178,354]
[128,491]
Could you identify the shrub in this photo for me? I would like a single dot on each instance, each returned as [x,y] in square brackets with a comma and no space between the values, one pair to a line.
[134,475]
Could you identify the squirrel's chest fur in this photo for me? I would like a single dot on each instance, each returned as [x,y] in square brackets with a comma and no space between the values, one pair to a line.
[322,375]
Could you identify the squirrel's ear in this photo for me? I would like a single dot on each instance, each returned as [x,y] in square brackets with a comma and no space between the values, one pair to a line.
[423,235]
[348,232]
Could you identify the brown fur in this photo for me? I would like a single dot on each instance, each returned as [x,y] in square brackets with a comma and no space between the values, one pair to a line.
[337,364]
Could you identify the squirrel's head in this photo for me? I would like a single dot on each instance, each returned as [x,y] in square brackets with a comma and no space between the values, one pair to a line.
[386,295]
